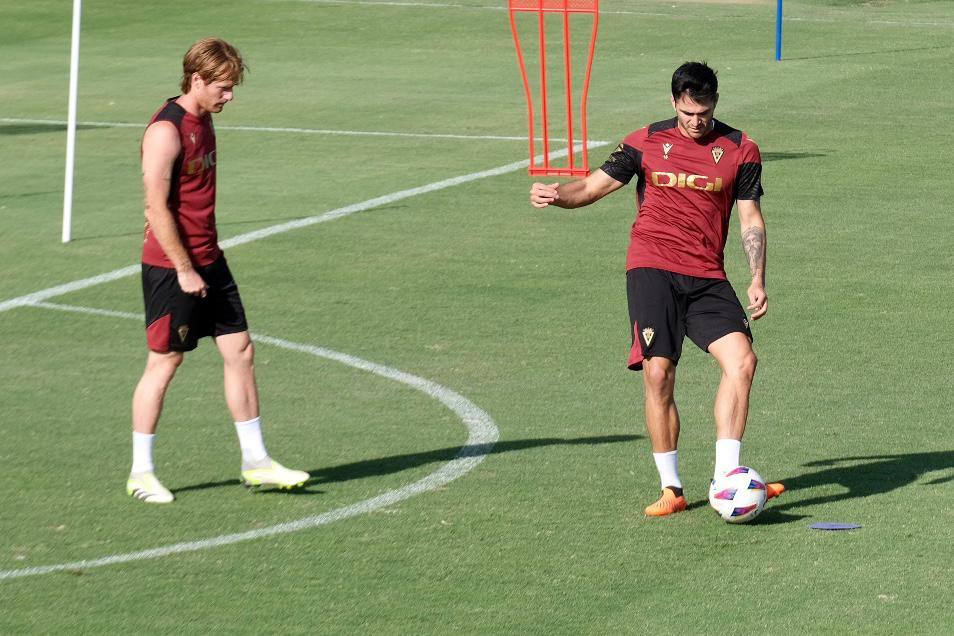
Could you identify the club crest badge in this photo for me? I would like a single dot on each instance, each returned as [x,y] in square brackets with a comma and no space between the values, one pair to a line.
[648,334]
[183,332]
[717,152]
[666,149]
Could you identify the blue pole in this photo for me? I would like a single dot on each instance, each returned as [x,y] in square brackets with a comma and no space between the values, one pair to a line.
[778,33]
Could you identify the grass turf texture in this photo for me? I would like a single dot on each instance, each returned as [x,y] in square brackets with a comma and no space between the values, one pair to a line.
[521,311]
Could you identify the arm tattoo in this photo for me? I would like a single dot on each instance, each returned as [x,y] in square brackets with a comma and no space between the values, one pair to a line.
[753,242]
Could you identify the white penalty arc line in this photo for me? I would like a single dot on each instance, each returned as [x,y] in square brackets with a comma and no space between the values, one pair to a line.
[276,129]
[482,434]
[59,290]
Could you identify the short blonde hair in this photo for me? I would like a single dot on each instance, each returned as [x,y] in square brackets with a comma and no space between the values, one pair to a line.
[214,60]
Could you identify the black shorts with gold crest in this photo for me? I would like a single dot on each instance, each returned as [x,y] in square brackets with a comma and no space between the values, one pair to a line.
[176,320]
[665,307]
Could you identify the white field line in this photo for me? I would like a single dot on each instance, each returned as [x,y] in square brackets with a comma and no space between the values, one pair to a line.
[482,434]
[76,285]
[874,21]
[93,311]
[273,129]
[658,14]
[450,5]
[59,290]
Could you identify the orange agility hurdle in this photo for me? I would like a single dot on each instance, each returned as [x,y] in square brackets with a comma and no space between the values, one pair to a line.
[564,9]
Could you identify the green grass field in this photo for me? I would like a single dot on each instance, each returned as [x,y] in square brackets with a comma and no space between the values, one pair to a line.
[522,312]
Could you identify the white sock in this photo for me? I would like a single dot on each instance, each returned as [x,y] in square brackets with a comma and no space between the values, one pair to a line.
[668,466]
[250,439]
[142,452]
[727,456]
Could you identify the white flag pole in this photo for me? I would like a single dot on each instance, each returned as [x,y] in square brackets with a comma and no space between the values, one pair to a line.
[71,124]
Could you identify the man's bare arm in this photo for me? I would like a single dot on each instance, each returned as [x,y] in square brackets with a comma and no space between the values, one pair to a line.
[160,147]
[754,246]
[574,194]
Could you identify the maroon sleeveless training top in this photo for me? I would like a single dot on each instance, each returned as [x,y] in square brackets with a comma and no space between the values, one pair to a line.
[192,191]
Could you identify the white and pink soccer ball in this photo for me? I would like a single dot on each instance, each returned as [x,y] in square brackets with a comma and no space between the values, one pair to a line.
[739,495]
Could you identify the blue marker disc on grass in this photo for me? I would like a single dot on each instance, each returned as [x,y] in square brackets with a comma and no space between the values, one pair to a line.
[829,525]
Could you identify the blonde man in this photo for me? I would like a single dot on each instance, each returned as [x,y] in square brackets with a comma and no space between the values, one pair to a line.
[188,289]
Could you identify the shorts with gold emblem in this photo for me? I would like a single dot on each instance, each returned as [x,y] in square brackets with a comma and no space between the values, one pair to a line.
[665,307]
[176,320]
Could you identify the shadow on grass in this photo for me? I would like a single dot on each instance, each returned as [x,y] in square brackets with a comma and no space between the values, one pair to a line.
[94,237]
[783,156]
[399,463]
[860,53]
[861,476]
[35,129]
[27,195]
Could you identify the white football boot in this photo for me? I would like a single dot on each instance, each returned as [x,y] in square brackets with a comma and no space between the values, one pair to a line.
[268,472]
[145,487]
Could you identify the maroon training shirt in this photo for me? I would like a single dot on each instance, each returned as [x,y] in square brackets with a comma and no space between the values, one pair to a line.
[685,192]
[192,191]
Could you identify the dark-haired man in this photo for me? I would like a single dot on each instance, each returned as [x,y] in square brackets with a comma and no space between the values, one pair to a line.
[188,289]
[690,170]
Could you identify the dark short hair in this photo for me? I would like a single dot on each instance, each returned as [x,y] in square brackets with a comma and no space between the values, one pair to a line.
[696,81]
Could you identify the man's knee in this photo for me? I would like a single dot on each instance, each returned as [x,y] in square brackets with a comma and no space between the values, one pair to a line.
[743,367]
[659,377]
[163,364]
[237,349]
[246,354]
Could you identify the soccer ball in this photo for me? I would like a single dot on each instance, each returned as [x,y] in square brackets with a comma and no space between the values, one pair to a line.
[739,496]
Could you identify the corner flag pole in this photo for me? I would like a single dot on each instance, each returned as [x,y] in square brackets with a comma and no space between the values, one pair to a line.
[71,124]
[778,32]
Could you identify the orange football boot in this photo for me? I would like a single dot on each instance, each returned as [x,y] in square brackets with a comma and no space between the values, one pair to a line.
[668,504]
[774,490]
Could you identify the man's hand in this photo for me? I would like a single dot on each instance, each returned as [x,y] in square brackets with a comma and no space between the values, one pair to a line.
[542,194]
[192,284]
[758,300]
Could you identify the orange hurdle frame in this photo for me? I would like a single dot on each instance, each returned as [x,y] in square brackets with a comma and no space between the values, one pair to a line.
[566,8]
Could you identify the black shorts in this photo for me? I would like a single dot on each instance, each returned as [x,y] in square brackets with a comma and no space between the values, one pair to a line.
[665,307]
[176,320]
